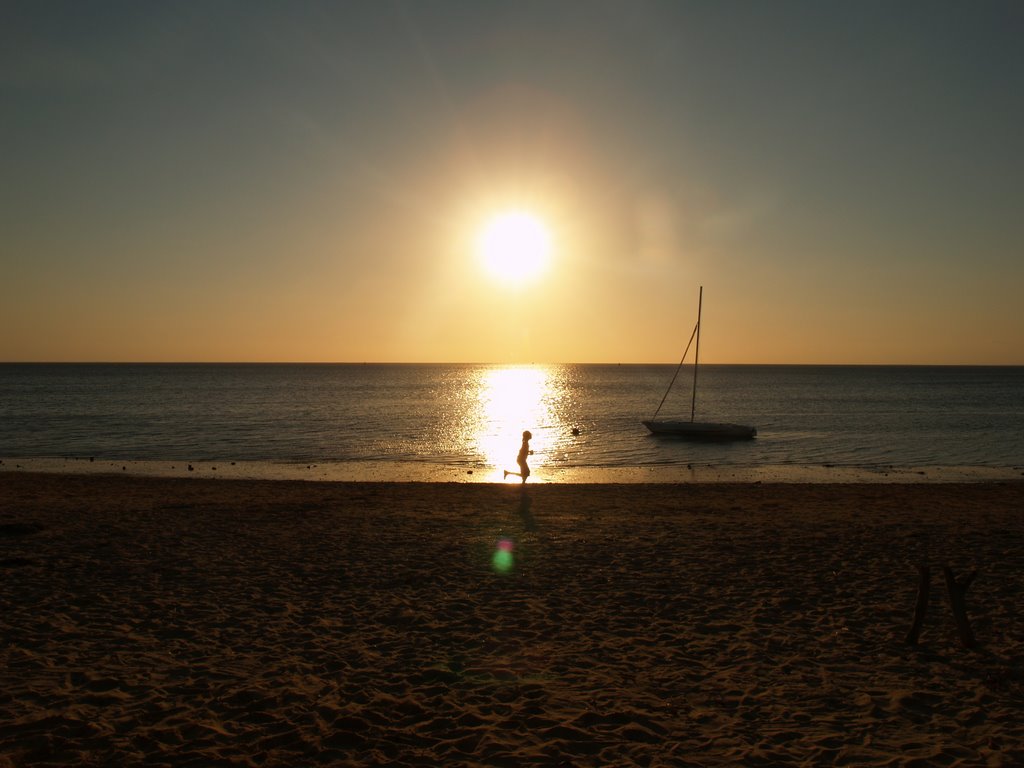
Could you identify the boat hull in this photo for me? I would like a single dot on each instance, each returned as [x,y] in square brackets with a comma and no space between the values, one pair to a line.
[696,430]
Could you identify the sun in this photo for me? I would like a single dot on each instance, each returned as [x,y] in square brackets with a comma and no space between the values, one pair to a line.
[514,246]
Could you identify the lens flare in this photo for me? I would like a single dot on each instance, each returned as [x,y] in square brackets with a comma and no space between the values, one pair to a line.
[502,560]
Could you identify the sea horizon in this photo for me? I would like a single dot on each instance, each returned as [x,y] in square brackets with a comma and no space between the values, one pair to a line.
[507,364]
[462,421]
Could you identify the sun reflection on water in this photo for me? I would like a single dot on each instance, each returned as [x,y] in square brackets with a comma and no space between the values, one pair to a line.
[512,400]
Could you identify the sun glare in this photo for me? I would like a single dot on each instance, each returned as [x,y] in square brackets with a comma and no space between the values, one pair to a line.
[514,246]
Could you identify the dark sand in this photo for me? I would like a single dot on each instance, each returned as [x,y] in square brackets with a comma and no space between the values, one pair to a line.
[215,622]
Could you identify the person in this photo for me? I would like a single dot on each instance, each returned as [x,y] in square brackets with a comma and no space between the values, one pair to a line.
[524,451]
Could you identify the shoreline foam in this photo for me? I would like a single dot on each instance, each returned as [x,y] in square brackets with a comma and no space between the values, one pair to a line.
[424,472]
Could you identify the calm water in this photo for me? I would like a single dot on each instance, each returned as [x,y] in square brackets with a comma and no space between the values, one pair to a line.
[471,416]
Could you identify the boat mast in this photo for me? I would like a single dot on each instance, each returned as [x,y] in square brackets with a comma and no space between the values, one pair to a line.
[696,356]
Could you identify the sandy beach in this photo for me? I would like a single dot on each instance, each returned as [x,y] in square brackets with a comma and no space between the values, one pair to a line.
[162,621]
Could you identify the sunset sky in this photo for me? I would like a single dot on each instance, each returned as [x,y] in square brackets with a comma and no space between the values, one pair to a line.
[248,181]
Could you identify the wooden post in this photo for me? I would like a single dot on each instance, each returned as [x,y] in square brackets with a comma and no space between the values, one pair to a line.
[921,607]
[958,600]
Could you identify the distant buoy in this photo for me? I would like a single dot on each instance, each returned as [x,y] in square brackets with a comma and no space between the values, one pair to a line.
[576,431]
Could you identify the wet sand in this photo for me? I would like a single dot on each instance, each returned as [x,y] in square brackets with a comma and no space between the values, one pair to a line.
[164,621]
[427,472]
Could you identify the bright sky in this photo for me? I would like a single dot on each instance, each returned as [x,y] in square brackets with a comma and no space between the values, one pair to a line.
[249,181]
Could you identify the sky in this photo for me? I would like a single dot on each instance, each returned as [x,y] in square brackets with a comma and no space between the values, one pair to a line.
[308,181]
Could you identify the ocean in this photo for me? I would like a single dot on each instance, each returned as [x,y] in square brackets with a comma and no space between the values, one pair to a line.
[426,421]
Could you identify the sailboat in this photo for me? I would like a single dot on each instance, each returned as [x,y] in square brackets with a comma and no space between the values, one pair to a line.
[696,430]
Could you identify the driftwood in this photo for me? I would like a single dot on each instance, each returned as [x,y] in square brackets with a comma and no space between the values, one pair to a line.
[957,589]
[958,600]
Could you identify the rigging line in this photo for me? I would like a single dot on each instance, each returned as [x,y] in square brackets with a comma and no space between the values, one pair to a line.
[678,368]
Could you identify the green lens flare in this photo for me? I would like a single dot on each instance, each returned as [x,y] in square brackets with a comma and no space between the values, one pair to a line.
[502,560]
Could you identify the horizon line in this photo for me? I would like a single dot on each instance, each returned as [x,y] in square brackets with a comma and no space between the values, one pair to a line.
[496,363]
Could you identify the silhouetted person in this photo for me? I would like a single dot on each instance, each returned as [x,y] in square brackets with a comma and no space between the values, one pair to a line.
[524,451]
